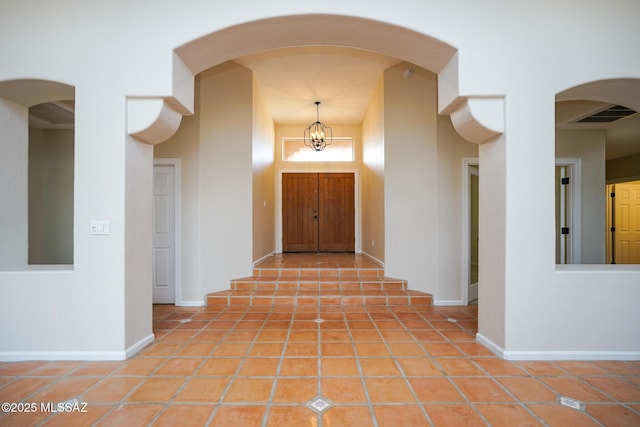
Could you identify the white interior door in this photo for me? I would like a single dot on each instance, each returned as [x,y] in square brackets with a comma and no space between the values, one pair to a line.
[164,199]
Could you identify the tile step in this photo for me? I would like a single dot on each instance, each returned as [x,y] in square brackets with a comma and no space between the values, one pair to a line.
[323,297]
[316,273]
[258,283]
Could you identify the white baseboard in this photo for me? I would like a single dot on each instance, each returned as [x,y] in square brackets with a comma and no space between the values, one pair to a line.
[135,348]
[493,347]
[572,355]
[190,304]
[259,260]
[21,356]
[447,302]
[374,258]
[556,355]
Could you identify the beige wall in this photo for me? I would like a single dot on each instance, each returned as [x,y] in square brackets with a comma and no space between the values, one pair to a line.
[422,186]
[589,146]
[185,145]
[50,196]
[226,175]
[14,145]
[227,169]
[216,148]
[138,212]
[624,168]
[373,242]
[263,178]
[452,148]
[411,177]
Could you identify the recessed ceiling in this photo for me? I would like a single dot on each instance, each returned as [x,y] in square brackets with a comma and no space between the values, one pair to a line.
[52,115]
[622,135]
[342,79]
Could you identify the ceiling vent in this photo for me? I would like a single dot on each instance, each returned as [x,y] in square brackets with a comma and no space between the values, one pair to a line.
[608,115]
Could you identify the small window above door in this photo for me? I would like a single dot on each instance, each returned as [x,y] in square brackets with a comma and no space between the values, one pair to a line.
[340,150]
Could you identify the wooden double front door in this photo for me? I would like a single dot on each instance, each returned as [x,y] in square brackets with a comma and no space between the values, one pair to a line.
[318,212]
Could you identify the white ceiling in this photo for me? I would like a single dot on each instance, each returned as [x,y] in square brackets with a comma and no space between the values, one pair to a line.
[342,79]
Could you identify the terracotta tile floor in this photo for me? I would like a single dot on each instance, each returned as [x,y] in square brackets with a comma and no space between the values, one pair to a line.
[369,366]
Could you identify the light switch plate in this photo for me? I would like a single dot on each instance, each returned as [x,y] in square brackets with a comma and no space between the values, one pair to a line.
[99,227]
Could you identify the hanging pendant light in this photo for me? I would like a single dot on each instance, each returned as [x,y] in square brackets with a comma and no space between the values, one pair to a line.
[318,135]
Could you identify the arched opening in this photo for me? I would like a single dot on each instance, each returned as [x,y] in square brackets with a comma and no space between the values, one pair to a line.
[598,148]
[38,143]
[315,30]
[222,54]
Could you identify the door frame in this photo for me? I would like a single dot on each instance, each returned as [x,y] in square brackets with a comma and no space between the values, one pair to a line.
[574,165]
[467,170]
[177,271]
[575,171]
[356,201]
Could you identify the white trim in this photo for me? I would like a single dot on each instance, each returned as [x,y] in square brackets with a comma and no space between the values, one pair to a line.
[490,345]
[575,191]
[175,162]
[135,348]
[448,302]
[374,258]
[572,355]
[555,354]
[259,260]
[191,304]
[20,356]
[331,168]
[475,287]
[467,164]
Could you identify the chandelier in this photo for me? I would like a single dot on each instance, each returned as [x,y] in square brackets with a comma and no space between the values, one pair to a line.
[318,135]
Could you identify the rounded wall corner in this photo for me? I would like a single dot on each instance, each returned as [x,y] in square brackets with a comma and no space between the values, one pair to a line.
[152,120]
[479,120]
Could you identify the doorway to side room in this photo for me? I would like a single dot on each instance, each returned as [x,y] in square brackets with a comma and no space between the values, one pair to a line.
[165,259]
[474,191]
[470,230]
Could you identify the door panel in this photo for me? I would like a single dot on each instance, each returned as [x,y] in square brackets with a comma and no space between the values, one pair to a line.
[336,212]
[318,212]
[299,212]
[163,235]
[627,223]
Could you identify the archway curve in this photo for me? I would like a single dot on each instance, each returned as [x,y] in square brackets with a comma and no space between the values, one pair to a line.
[577,102]
[623,91]
[30,92]
[303,30]
[154,123]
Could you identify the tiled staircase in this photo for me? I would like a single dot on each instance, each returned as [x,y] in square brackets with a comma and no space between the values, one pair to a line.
[318,283]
